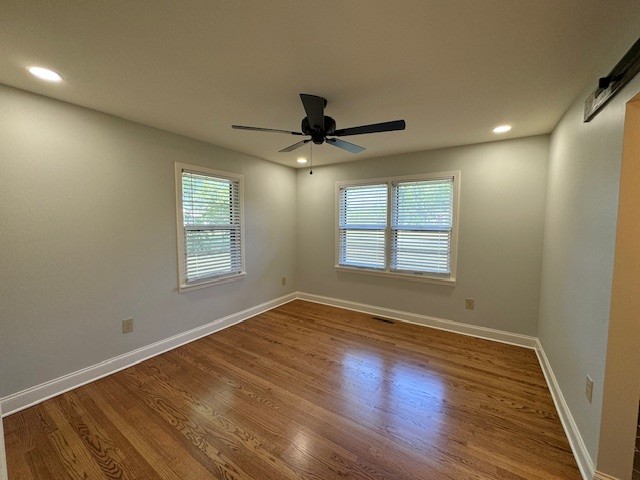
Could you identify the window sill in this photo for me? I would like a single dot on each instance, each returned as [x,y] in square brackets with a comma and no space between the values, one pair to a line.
[451,282]
[210,282]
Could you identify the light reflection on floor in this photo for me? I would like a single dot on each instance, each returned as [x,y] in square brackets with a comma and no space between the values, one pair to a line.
[376,391]
[298,450]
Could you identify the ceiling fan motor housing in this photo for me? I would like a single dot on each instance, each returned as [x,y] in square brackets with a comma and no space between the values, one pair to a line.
[318,135]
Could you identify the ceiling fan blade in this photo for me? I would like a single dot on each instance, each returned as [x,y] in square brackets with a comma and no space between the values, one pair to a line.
[291,148]
[314,106]
[373,128]
[349,147]
[260,129]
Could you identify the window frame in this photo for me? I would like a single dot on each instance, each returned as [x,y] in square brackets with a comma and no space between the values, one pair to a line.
[183,284]
[440,279]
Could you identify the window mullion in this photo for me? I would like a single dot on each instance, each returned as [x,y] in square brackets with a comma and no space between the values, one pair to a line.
[388,230]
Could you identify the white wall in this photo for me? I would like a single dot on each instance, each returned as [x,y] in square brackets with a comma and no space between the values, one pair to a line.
[500,235]
[89,238]
[579,242]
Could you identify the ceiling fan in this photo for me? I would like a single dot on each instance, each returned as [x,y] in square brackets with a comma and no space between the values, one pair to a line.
[321,127]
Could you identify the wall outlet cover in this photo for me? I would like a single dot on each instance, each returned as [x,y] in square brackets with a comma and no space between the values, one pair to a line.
[588,389]
[127,325]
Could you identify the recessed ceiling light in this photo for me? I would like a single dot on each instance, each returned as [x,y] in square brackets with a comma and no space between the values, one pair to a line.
[502,129]
[45,74]
[302,160]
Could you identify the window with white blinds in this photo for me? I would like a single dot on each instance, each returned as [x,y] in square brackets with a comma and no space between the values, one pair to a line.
[403,226]
[210,233]
[363,221]
[421,223]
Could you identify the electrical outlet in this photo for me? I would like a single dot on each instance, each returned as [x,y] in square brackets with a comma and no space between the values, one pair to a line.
[588,388]
[284,280]
[127,325]
[469,303]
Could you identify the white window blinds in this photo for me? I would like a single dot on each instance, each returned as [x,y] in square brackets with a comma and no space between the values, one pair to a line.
[403,226]
[362,224]
[421,225]
[211,226]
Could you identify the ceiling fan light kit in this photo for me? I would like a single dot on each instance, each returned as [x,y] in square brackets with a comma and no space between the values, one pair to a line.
[322,128]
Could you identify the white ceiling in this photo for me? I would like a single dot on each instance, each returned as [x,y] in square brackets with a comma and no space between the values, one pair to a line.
[453,69]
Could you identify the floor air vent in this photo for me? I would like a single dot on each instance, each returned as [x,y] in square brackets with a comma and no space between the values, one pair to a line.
[384,320]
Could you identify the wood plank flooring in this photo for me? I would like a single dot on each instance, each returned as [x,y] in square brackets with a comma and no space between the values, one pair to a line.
[304,391]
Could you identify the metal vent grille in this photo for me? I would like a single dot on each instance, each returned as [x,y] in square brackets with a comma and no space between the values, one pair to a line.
[384,320]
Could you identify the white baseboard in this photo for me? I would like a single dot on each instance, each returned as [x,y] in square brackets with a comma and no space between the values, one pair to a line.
[31,396]
[603,476]
[580,452]
[3,456]
[427,321]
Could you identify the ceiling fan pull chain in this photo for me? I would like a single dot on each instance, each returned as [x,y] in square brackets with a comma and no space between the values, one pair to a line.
[310,158]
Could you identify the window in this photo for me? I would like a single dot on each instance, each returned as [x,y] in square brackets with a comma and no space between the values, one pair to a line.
[210,226]
[402,226]
[363,221]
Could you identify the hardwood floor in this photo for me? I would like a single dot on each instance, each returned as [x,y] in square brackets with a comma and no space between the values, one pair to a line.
[304,391]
